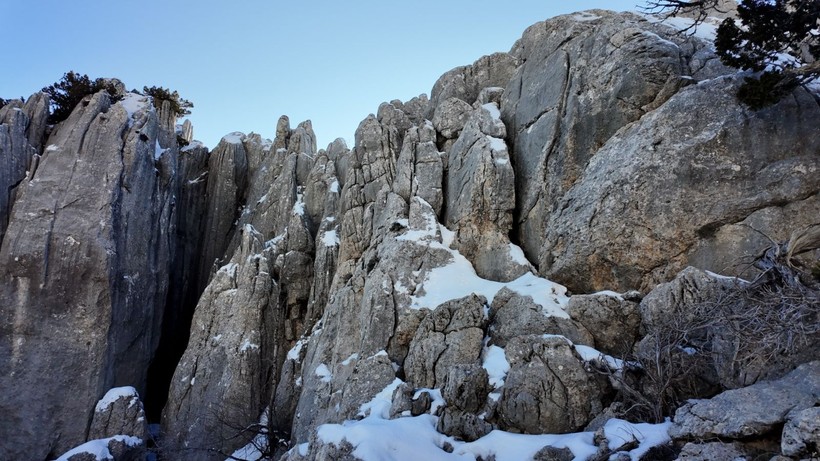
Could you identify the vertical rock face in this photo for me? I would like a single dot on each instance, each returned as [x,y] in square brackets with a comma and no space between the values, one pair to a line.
[84,274]
[21,136]
[221,381]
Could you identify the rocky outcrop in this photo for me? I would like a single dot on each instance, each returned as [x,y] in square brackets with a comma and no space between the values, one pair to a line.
[97,210]
[547,389]
[751,411]
[654,185]
[119,412]
[22,127]
[481,197]
[221,382]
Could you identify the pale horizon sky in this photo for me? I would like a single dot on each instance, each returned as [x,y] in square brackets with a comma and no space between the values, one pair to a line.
[244,66]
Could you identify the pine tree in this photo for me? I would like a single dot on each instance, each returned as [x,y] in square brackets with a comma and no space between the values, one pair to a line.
[779,40]
[70,90]
[179,106]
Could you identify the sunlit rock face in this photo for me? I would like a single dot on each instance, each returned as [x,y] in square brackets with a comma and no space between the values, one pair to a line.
[454,279]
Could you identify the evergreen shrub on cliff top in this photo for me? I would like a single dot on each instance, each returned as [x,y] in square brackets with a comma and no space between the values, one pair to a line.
[180,106]
[70,90]
[779,40]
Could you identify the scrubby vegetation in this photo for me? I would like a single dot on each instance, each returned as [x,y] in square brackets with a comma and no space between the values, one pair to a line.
[747,332]
[779,40]
[181,107]
[71,89]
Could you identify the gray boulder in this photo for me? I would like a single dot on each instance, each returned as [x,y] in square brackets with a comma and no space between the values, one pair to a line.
[750,411]
[613,321]
[119,412]
[711,451]
[547,390]
[481,197]
[571,95]
[451,116]
[512,314]
[801,434]
[449,336]
[466,82]
[611,231]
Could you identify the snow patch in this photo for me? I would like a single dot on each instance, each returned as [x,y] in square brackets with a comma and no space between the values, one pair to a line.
[233,138]
[296,350]
[99,447]
[158,150]
[323,372]
[517,255]
[247,344]
[115,394]
[493,110]
[133,103]
[497,144]
[379,406]
[494,360]
[330,238]
[334,186]
[610,293]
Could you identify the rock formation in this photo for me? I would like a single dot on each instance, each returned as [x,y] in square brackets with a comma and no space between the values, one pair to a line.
[285,299]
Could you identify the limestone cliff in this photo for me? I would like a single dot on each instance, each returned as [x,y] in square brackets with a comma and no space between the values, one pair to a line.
[412,276]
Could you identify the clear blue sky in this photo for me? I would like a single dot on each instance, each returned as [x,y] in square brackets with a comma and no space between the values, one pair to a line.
[244,63]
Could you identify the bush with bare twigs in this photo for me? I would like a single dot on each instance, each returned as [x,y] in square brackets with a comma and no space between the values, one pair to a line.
[748,331]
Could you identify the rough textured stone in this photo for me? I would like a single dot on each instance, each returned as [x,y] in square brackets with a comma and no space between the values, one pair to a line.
[451,116]
[553,454]
[512,314]
[466,82]
[801,434]
[572,94]
[611,320]
[466,387]
[222,380]
[21,134]
[644,207]
[450,335]
[481,197]
[750,411]
[547,389]
[120,412]
[97,210]
[227,180]
[711,451]
[463,425]
[420,168]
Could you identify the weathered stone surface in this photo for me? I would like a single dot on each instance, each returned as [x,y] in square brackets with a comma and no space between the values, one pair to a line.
[116,448]
[466,387]
[227,180]
[420,167]
[119,412]
[451,116]
[466,82]
[553,454]
[512,314]
[711,451]
[547,389]
[750,411]
[481,197]
[96,210]
[222,380]
[463,425]
[449,336]
[612,321]
[801,434]
[644,208]
[572,94]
